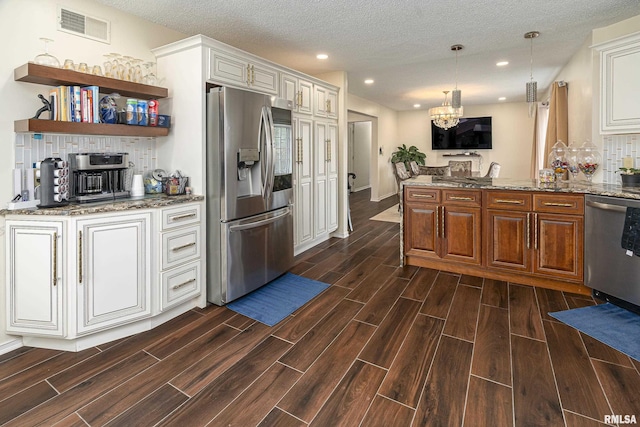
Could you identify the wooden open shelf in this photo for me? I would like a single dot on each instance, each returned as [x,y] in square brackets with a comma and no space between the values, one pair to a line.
[55,126]
[41,74]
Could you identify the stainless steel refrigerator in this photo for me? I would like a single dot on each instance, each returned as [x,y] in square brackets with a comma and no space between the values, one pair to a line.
[249,192]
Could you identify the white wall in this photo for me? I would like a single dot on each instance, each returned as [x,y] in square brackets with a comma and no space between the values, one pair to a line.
[383,136]
[512,137]
[22,23]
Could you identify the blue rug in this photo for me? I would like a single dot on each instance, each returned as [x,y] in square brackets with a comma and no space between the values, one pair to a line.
[277,299]
[608,323]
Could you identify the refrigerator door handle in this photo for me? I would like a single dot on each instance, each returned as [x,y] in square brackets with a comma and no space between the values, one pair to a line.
[265,137]
[260,223]
[272,158]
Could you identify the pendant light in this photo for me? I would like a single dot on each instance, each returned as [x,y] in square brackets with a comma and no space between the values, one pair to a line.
[448,115]
[532,86]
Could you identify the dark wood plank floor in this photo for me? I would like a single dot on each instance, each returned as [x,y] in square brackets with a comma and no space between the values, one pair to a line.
[383,346]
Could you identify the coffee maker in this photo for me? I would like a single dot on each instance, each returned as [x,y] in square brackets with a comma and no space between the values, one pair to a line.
[99,176]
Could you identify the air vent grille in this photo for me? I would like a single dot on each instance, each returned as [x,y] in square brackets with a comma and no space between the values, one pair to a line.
[82,25]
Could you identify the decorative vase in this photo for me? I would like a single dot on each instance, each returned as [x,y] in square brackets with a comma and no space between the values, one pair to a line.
[589,160]
[557,159]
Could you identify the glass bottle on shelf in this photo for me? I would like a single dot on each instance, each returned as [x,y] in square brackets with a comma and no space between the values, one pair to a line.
[557,159]
[589,160]
[573,151]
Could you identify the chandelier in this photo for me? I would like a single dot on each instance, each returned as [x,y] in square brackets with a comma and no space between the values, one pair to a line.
[532,86]
[445,116]
[448,115]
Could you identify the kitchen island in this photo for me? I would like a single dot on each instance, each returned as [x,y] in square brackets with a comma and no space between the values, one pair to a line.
[521,231]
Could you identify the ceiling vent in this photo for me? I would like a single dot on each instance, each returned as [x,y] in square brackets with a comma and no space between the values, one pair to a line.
[83,25]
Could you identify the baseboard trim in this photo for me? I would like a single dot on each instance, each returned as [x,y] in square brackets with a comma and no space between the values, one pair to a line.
[11,345]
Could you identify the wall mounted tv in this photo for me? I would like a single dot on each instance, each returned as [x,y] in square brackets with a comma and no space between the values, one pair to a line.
[472,133]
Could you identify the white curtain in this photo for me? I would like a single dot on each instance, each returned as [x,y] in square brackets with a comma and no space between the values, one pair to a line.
[541,132]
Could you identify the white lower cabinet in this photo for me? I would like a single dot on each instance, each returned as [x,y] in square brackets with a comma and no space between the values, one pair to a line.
[78,281]
[180,273]
[34,285]
[114,271]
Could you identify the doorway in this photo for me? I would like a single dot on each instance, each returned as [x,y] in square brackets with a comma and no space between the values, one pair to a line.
[359,154]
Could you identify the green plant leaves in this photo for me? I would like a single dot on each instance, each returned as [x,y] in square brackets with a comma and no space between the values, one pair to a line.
[406,155]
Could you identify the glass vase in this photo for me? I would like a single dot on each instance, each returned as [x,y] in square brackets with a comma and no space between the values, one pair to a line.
[589,160]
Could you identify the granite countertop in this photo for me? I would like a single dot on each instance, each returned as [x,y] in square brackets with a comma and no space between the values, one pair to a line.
[582,187]
[147,202]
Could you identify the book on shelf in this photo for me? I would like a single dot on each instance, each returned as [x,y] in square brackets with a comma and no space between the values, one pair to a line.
[75,104]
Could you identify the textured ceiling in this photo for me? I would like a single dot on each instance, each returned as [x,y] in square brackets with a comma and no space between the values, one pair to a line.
[403,45]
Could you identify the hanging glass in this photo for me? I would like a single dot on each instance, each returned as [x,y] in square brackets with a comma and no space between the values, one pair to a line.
[45,58]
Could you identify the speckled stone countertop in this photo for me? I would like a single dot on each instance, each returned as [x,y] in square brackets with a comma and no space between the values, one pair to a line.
[525,185]
[147,202]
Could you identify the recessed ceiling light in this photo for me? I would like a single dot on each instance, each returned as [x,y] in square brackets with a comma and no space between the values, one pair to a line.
[322,56]
[368,81]
[502,98]
[416,105]
[502,63]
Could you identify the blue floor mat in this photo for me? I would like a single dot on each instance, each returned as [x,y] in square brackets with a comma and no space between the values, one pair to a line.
[278,299]
[608,323]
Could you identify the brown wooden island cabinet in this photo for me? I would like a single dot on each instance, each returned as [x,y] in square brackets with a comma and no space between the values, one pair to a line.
[443,224]
[526,237]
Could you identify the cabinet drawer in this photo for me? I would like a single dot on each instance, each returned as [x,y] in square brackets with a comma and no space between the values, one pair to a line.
[180,216]
[421,194]
[180,245]
[509,200]
[559,203]
[180,284]
[462,197]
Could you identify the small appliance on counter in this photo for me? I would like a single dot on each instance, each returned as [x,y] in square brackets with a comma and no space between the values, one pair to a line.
[53,183]
[99,176]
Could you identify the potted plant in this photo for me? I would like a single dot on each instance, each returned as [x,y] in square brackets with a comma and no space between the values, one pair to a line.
[407,155]
[630,177]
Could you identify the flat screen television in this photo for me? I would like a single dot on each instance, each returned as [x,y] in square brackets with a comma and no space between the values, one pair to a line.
[472,133]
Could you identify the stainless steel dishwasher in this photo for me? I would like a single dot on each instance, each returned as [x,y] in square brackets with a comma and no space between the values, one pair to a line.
[610,270]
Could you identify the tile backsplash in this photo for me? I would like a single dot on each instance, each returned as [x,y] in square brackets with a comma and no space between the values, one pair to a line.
[615,148]
[31,148]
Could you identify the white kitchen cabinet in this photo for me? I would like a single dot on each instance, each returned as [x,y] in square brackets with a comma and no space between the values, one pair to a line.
[332,176]
[620,85]
[326,102]
[320,187]
[303,185]
[332,104]
[35,280]
[180,272]
[241,72]
[114,269]
[298,91]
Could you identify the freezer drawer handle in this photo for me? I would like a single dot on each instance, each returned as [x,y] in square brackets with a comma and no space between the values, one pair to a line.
[257,223]
[607,206]
[181,217]
[180,248]
[179,285]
